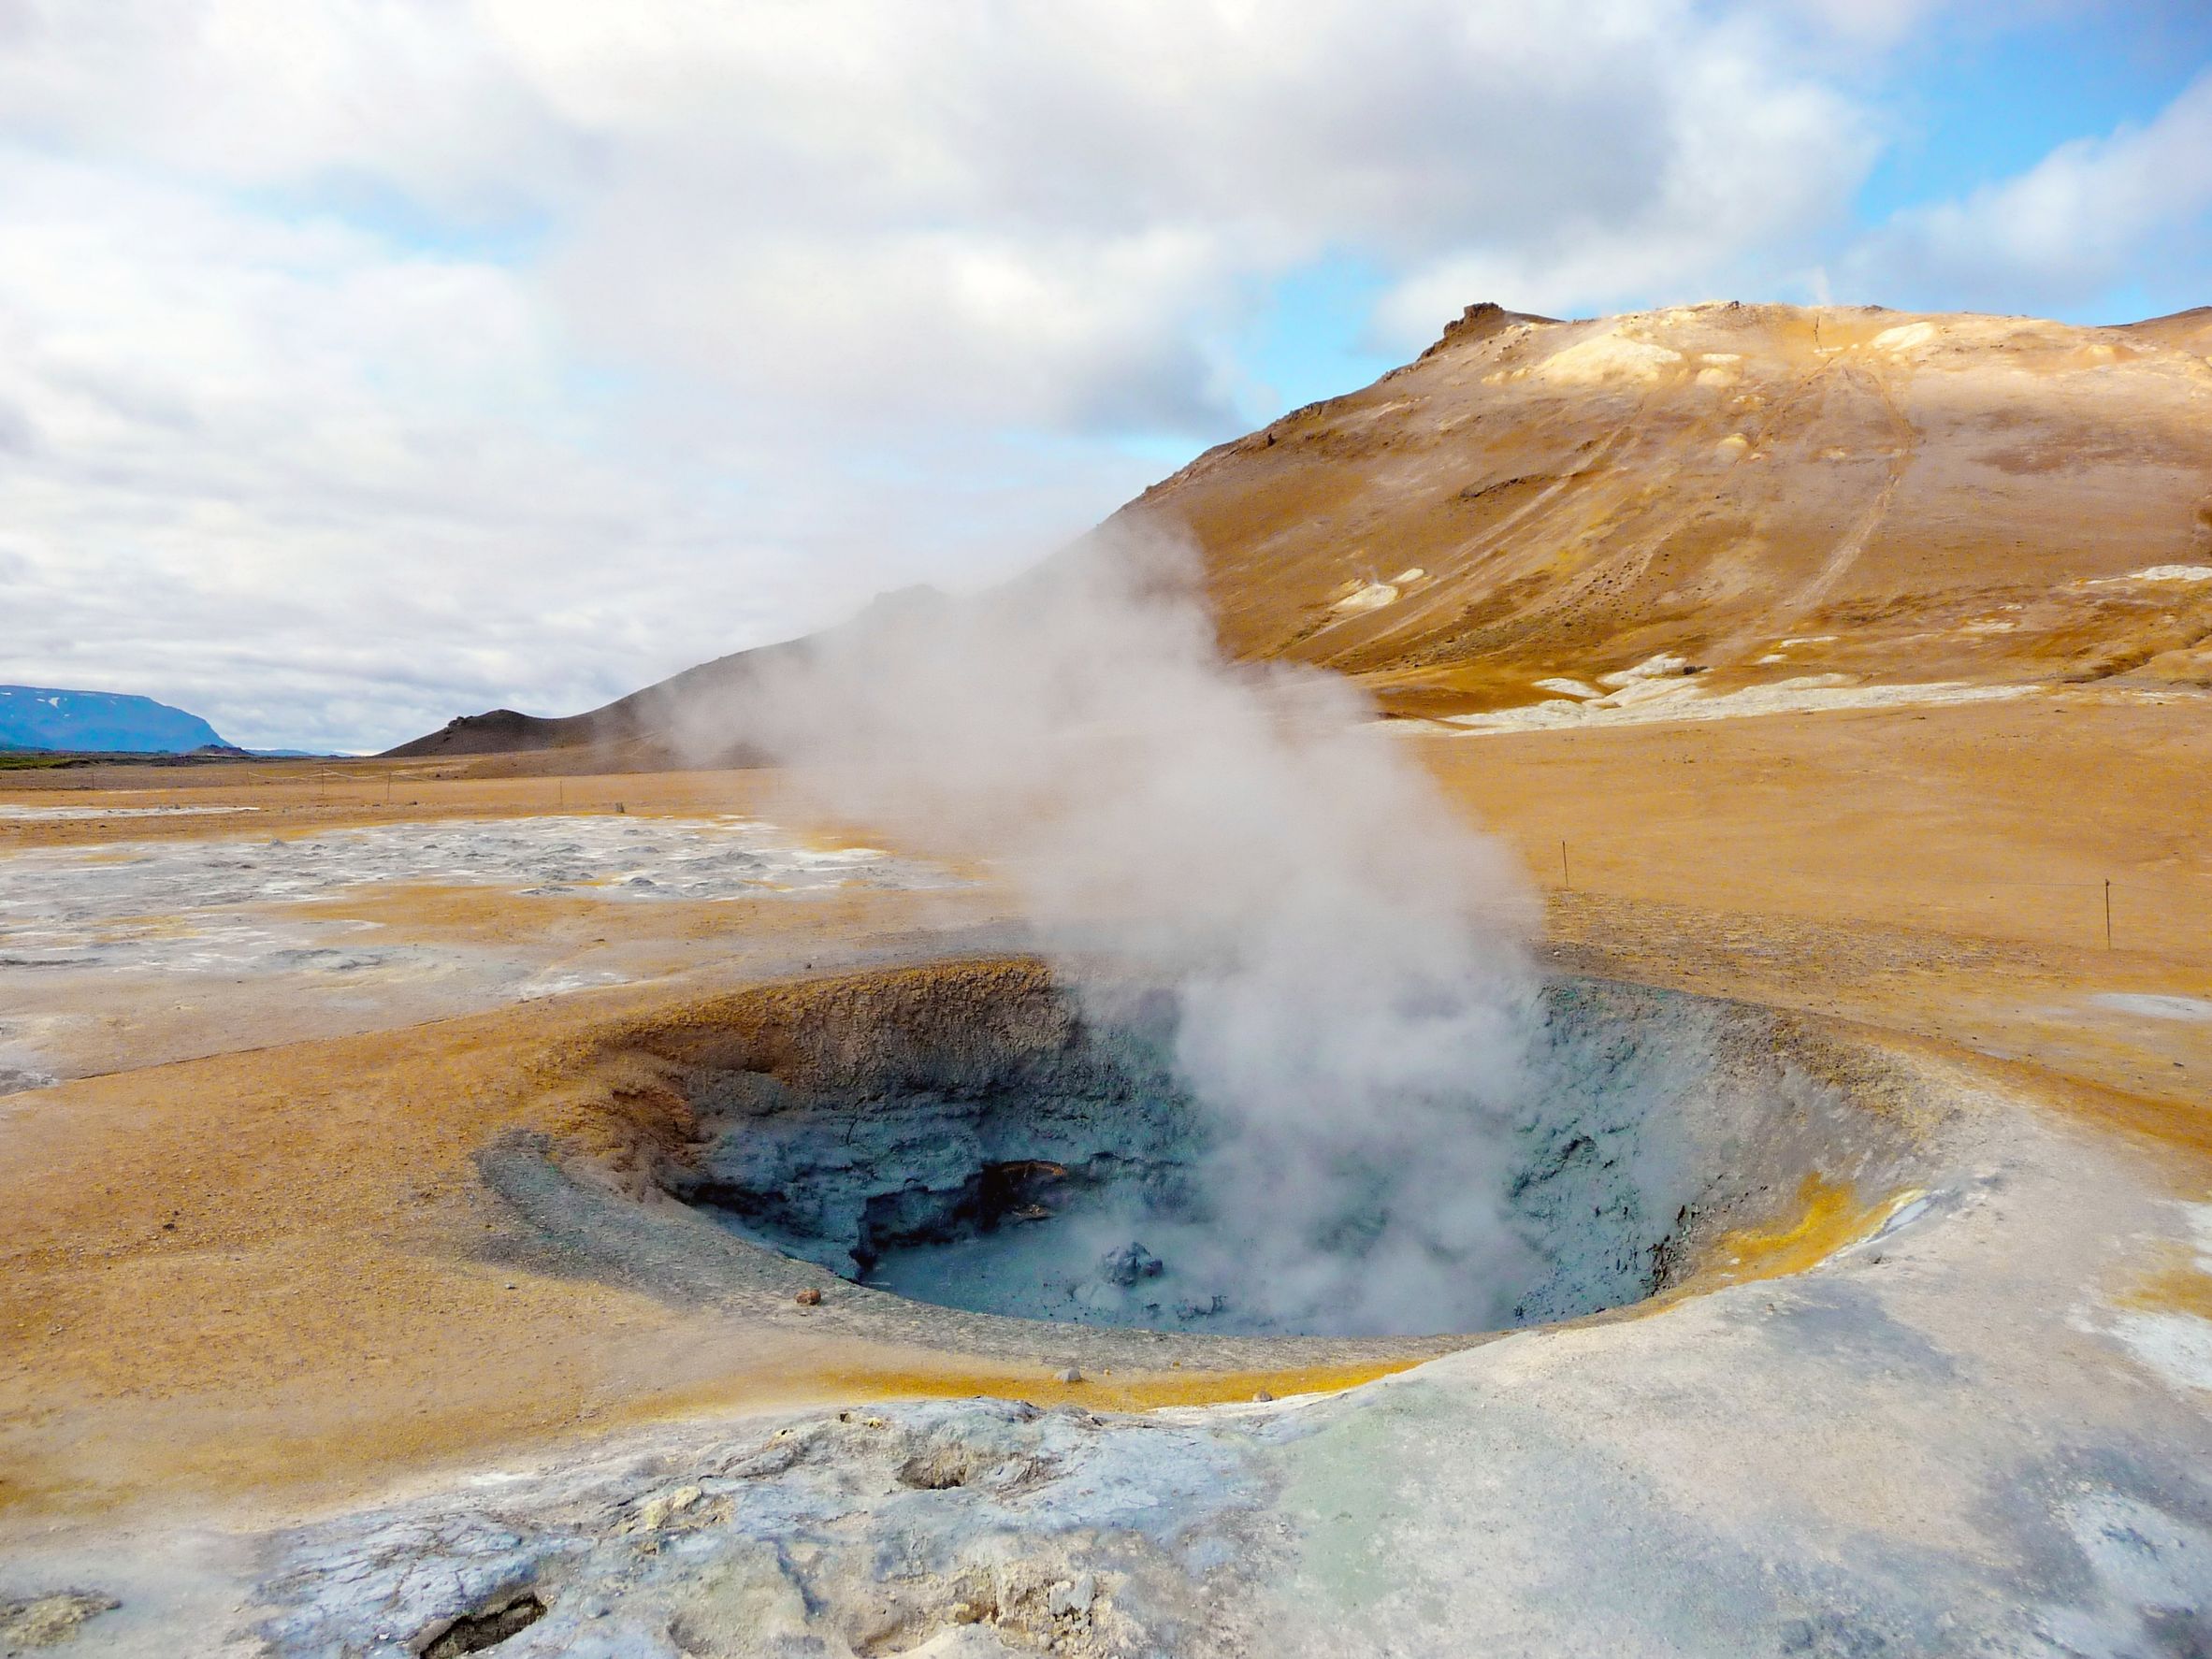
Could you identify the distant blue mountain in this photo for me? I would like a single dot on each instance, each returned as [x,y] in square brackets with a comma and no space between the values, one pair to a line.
[98,722]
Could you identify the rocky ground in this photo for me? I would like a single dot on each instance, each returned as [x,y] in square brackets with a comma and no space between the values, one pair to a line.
[279,1373]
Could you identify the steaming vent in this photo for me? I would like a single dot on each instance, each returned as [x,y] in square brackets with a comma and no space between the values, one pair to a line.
[971,1136]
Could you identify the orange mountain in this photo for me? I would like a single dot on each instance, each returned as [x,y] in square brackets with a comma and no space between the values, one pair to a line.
[1771,496]
[1768,492]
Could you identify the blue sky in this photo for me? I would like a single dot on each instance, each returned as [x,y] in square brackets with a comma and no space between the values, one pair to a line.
[1976,99]
[363,362]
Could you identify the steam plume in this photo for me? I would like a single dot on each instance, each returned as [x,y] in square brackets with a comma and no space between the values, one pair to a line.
[1351,992]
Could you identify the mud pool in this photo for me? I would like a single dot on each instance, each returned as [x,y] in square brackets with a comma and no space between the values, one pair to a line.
[1027,1161]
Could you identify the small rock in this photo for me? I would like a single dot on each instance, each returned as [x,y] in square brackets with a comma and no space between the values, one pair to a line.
[1068,1600]
[656,1512]
[1129,1264]
[47,1620]
[1067,1373]
[1262,1396]
[810,1297]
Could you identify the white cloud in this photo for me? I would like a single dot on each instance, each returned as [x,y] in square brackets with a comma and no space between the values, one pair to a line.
[1035,211]
[1866,22]
[327,491]
[273,92]
[1024,213]
[366,361]
[1751,163]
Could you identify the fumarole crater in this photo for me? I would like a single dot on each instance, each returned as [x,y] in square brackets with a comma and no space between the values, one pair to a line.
[976,1136]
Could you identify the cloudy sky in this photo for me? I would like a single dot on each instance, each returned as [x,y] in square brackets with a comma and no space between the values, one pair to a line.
[366,362]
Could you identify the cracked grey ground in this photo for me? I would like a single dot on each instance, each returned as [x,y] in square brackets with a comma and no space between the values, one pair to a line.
[858,1531]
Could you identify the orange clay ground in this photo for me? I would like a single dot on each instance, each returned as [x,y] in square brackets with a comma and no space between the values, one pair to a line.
[263,1274]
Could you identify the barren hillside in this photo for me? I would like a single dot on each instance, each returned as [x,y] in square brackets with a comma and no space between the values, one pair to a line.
[1765,492]
[1558,515]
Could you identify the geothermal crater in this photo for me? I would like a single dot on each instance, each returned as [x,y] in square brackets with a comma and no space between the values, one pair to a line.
[977,1137]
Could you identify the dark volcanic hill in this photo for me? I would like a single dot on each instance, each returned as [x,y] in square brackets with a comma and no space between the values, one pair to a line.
[633,721]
